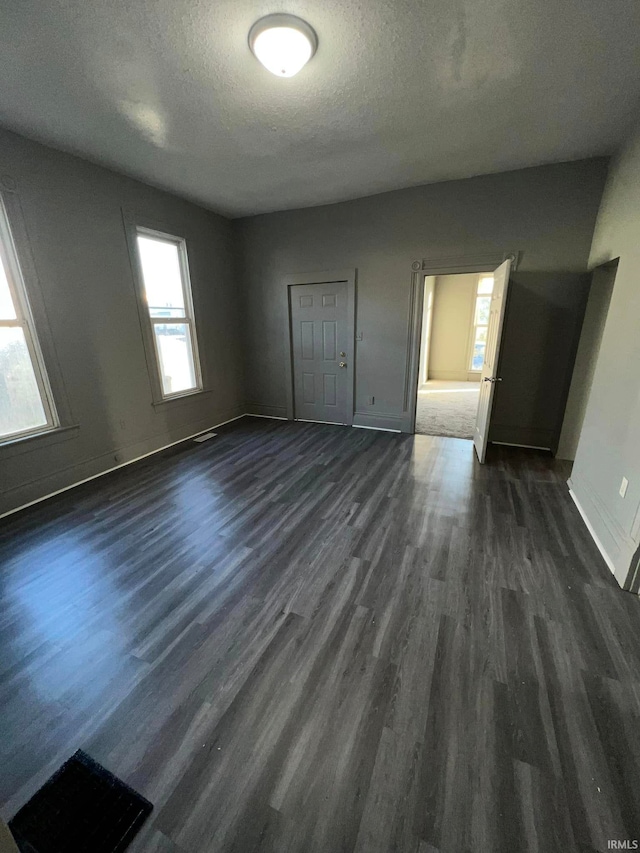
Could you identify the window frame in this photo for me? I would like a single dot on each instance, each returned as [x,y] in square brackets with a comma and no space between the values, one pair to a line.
[148,322]
[475,326]
[24,320]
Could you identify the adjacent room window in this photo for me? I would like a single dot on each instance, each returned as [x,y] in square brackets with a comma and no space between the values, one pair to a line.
[481,320]
[26,403]
[165,275]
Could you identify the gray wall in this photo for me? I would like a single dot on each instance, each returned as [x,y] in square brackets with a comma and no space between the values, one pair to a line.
[609,446]
[546,213]
[586,358]
[72,211]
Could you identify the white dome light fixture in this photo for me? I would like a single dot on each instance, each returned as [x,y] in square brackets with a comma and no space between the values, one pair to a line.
[283,43]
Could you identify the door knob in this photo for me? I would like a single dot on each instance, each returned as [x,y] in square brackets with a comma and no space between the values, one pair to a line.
[343,364]
[492,379]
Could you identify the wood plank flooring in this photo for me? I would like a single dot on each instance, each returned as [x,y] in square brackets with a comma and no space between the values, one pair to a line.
[298,638]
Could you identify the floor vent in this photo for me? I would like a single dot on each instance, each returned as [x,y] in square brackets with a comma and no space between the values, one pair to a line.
[206,436]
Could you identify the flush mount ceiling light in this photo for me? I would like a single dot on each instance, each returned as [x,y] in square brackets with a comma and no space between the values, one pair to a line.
[283,43]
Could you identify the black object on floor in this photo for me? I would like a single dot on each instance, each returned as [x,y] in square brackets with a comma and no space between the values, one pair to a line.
[82,808]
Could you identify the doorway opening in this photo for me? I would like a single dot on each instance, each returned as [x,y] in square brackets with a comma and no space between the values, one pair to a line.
[455,324]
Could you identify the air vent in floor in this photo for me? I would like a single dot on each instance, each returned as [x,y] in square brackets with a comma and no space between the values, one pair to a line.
[206,436]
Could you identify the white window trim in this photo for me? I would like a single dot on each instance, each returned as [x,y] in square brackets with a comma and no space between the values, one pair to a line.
[148,322]
[472,339]
[24,320]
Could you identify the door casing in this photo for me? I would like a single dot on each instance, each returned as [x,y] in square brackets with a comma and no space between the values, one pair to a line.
[322,277]
[420,269]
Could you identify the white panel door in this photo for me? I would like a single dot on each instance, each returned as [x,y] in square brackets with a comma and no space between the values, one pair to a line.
[488,377]
[321,359]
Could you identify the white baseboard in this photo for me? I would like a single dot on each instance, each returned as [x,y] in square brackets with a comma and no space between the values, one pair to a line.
[333,423]
[325,423]
[526,446]
[269,417]
[115,467]
[254,407]
[379,420]
[378,429]
[594,535]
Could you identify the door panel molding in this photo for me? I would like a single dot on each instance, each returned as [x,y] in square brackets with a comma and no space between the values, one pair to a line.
[348,276]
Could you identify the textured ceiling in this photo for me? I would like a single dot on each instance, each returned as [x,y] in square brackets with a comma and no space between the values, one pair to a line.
[401,92]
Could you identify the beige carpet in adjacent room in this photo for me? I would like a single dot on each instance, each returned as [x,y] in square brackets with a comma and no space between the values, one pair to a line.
[447,408]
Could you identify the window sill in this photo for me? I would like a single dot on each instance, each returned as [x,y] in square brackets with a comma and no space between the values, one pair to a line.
[27,443]
[182,398]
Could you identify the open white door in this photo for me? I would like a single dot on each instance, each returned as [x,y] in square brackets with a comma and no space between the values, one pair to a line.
[488,377]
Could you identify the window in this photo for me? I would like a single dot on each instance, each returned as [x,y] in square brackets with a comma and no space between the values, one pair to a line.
[167,291]
[481,320]
[26,403]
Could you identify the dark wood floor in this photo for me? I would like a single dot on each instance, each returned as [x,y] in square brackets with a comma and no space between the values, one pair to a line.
[312,638]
